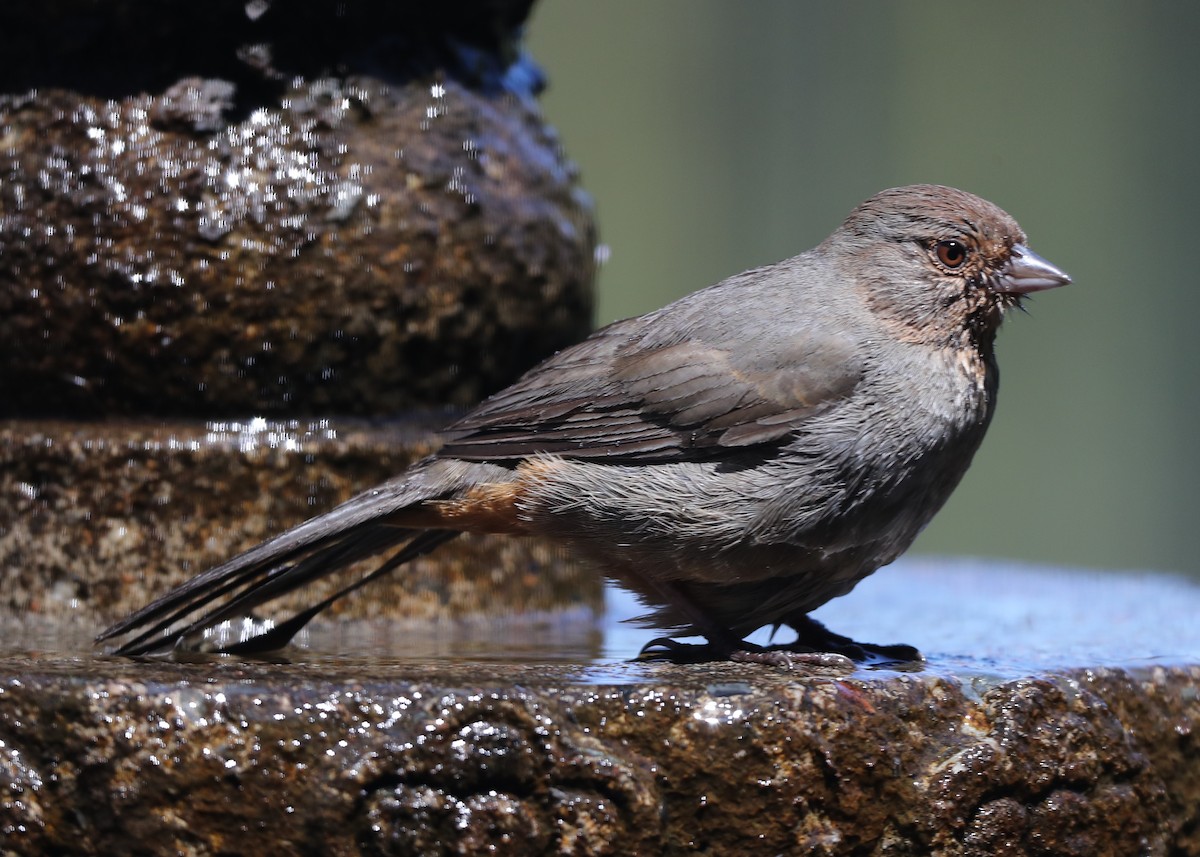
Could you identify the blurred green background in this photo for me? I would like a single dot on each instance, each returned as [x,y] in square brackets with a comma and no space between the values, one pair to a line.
[715,136]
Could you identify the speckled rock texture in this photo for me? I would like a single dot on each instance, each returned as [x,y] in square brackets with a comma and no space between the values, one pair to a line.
[731,759]
[266,222]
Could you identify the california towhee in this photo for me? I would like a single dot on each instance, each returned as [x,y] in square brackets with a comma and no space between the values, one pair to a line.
[736,458]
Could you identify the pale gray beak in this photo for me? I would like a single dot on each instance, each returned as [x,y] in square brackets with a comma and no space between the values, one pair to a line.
[1027,272]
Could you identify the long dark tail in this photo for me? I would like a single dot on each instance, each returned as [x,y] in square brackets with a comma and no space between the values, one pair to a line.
[367,525]
[232,590]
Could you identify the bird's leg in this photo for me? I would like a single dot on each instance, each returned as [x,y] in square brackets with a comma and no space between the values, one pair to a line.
[722,645]
[725,646]
[812,636]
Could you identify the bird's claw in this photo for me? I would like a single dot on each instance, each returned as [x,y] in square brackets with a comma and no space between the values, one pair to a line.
[812,636]
[668,649]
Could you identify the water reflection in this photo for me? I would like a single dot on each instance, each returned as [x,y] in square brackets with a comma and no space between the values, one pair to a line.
[983,622]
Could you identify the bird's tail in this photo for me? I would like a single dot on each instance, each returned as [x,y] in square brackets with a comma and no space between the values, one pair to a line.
[364,526]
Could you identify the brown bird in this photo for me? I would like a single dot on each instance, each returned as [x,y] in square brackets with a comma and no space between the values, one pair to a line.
[736,458]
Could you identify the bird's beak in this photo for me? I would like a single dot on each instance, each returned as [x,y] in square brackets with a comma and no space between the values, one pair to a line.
[1027,272]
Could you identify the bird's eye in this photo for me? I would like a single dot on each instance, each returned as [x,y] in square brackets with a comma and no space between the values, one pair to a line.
[951,253]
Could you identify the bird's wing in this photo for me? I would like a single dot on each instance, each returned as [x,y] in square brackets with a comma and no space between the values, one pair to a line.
[618,398]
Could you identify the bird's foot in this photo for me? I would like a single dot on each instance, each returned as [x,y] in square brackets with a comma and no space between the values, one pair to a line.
[667,649]
[812,636]
[784,657]
[814,646]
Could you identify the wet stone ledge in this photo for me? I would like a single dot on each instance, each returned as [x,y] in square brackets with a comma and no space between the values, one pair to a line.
[528,760]
[540,747]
